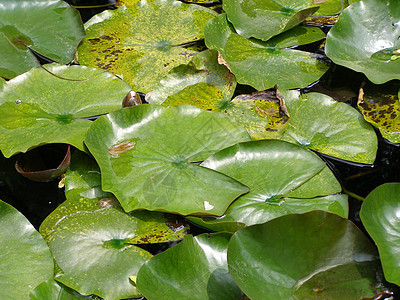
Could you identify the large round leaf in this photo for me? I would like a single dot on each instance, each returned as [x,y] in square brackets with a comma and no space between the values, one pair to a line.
[366,39]
[25,259]
[262,65]
[143,42]
[95,254]
[146,152]
[263,19]
[194,269]
[316,255]
[274,170]
[51,28]
[380,214]
[52,105]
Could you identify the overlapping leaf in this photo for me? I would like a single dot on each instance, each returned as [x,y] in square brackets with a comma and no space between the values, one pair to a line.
[52,106]
[51,289]
[51,28]
[264,64]
[146,156]
[143,43]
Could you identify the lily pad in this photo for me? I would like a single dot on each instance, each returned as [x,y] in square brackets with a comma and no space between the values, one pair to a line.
[380,106]
[380,214]
[263,19]
[53,105]
[274,170]
[51,289]
[51,28]
[366,39]
[97,247]
[84,194]
[264,64]
[202,83]
[166,275]
[333,128]
[146,155]
[143,43]
[25,259]
[328,258]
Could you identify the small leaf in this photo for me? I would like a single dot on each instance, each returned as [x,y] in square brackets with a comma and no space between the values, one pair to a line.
[51,289]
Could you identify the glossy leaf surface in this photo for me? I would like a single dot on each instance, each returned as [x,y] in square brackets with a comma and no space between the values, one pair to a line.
[380,214]
[365,39]
[316,255]
[25,259]
[51,28]
[263,19]
[146,156]
[96,246]
[143,43]
[51,289]
[196,268]
[273,170]
[264,64]
[202,83]
[38,108]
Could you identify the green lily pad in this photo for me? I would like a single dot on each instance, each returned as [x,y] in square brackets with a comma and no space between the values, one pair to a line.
[380,106]
[263,19]
[380,214]
[51,289]
[153,168]
[95,252]
[275,172]
[84,194]
[2,81]
[202,83]
[316,255]
[143,43]
[51,28]
[172,275]
[25,259]
[52,106]
[333,128]
[264,64]
[365,39]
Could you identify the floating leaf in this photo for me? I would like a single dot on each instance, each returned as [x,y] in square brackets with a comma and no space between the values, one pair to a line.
[264,64]
[95,252]
[273,170]
[25,259]
[39,107]
[380,106]
[264,19]
[166,275]
[380,214]
[202,83]
[158,173]
[51,289]
[316,255]
[363,36]
[51,28]
[333,128]
[143,43]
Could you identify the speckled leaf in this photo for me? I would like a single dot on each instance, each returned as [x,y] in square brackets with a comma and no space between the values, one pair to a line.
[51,28]
[157,172]
[264,64]
[51,289]
[25,259]
[380,106]
[263,19]
[319,123]
[380,214]
[143,43]
[84,194]
[316,255]
[202,83]
[272,170]
[366,39]
[38,107]
[194,269]
[96,247]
